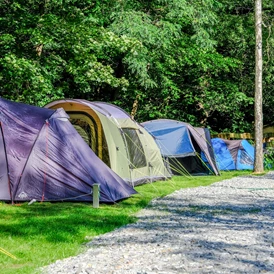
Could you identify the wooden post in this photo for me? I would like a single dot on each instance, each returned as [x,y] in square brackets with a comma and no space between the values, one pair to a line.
[95,195]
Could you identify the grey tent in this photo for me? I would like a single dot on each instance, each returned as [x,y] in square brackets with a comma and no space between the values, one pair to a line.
[187,149]
[44,158]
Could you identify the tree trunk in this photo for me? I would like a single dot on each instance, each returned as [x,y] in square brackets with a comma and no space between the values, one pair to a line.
[134,107]
[258,109]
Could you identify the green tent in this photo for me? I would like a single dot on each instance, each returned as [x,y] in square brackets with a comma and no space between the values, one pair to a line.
[125,146]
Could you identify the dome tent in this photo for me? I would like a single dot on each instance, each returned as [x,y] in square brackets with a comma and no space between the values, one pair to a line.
[126,147]
[44,158]
[186,149]
[233,154]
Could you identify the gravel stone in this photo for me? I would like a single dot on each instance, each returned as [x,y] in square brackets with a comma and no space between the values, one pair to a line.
[227,227]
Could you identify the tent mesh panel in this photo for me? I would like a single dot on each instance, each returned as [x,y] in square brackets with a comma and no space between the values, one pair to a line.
[135,148]
[246,159]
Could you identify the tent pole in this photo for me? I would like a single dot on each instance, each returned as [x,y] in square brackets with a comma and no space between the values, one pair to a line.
[150,173]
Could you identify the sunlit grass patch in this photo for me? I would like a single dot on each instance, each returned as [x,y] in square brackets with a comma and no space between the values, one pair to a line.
[42,233]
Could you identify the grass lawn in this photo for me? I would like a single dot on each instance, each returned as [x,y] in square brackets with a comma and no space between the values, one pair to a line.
[39,234]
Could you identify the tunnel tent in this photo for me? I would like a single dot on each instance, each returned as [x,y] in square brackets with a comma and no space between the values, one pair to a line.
[233,154]
[187,150]
[44,158]
[126,147]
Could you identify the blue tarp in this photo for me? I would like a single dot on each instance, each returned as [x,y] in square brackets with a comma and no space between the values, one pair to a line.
[233,154]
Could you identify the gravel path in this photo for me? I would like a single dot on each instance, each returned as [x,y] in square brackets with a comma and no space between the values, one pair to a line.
[227,227]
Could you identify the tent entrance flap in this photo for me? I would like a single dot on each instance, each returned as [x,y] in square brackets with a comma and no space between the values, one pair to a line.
[190,165]
[92,133]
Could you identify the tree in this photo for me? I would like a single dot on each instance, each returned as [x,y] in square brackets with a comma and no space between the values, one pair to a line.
[186,60]
[258,111]
[53,49]
[179,72]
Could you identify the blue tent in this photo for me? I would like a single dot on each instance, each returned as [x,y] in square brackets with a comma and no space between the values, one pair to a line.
[184,147]
[233,154]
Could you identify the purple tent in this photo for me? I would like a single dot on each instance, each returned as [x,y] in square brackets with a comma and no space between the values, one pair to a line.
[44,158]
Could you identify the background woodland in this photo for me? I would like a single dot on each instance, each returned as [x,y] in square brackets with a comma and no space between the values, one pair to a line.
[189,60]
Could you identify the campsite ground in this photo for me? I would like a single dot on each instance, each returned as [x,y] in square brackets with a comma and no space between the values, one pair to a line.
[226,227]
[41,233]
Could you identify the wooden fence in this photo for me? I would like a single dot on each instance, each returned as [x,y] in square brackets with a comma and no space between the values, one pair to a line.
[268,136]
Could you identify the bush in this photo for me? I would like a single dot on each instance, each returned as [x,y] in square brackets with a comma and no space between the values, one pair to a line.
[269,158]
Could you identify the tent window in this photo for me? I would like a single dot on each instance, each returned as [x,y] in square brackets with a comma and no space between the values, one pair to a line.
[245,158]
[135,148]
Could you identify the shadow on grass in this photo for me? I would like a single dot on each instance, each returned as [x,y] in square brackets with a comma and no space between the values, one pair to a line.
[60,222]
[70,222]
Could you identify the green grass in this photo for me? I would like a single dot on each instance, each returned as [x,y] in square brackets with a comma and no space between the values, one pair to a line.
[42,233]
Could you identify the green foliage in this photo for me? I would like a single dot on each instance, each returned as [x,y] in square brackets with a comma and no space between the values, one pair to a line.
[185,60]
[54,50]
[269,158]
[20,77]
[192,81]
